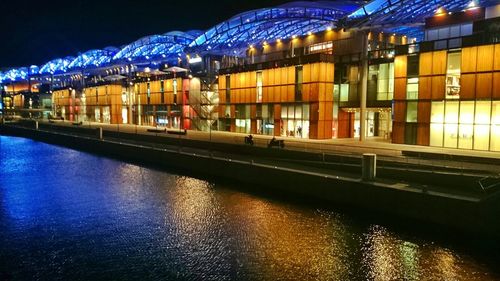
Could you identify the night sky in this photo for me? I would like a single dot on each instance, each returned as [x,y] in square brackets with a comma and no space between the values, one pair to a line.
[34,32]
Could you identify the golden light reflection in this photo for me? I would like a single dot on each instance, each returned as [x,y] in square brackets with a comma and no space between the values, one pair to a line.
[283,240]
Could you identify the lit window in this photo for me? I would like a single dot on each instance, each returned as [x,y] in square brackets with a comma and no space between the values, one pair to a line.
[259,86]
[411,112]
[453,75]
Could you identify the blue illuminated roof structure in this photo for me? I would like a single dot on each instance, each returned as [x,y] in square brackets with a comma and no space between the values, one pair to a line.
[56,66]
[269,24]
[162,46]
[93,58]
[34,70]
[14,74]
[383,13]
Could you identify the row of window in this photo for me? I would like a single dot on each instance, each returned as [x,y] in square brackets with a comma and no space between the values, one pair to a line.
[466,124]
[260,85]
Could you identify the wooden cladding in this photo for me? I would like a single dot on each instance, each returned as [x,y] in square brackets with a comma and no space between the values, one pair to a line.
[400,66]
[155,92]
[478,77]
[400,88]
[278,84]
[433,63]
[481,58]
[18,100]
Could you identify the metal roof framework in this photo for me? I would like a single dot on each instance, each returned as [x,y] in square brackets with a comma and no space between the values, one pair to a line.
[93,58]
[399,13]
[269,24]
[14,74]
[56,66]
[165,46]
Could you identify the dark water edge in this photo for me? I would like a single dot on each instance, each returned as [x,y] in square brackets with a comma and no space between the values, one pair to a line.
[69,215]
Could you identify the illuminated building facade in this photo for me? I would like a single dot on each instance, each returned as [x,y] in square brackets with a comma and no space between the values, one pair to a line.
[425,73]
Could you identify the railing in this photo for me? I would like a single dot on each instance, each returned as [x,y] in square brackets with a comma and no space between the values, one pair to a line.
[488,183]
[339,156]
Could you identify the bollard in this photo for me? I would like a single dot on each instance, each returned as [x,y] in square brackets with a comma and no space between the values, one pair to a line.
[369,166]
[99,133]
[36,125]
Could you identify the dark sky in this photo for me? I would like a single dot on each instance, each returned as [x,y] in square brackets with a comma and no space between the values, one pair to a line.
[33,32]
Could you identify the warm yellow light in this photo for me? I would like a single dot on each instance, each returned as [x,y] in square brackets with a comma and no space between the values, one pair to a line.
[309,33]
[329,28]
[294,36]
[472,5]
[440,11]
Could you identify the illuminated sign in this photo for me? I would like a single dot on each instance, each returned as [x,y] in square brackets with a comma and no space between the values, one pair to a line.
[195,60]
[316,48]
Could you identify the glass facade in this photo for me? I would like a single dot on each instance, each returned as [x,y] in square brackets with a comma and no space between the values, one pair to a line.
[295,120]
[259,86]
[381,81]
[465,124]
[453,75]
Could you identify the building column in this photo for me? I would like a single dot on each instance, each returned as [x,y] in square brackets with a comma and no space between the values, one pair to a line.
[364,82]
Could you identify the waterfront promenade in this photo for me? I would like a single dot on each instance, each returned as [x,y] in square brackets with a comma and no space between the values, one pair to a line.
[465,160]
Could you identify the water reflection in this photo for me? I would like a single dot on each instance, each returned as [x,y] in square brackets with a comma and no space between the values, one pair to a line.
[75,216]
[388,257]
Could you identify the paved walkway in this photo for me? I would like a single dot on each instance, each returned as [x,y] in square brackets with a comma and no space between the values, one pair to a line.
[472,194]
[351,147]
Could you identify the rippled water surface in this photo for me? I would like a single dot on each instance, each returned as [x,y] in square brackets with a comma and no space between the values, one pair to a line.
[69,215]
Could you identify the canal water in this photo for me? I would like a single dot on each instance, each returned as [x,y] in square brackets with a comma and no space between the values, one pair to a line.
[69,215]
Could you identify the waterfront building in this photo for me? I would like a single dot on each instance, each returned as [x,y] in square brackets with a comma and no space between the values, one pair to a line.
[426,73]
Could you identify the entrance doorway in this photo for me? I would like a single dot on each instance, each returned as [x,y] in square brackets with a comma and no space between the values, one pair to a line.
[378,123]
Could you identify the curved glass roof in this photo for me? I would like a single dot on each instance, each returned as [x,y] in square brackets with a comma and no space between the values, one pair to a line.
[164,45]
[269,24]
[34,69]
[56,66]
[14,74]
[403,12]
[93,58]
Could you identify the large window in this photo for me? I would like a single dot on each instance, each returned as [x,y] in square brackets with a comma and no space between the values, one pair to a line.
[162,91]
[295,120]
[466,124]
[242,118]
[228,89]
[411,111]
[437,120]
[298,83]
[265,119]
[259,86]
[412,89]
[453,75]
[381,80]
[412,66]
[174,85]
[343,84]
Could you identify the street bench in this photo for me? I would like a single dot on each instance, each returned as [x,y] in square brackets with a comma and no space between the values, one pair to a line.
[157,130]
[177,132]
